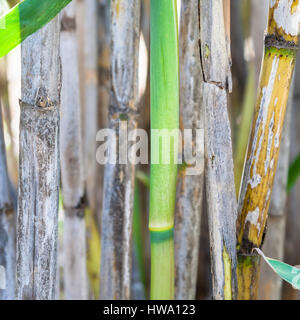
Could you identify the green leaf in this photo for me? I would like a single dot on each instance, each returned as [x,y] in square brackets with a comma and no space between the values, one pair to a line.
[285,271]
[24,19]
[294,172]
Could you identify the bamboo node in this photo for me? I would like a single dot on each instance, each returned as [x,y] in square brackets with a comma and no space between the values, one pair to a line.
[271,40]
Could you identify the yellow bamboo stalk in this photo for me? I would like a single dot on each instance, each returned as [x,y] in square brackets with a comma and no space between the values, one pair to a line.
[281,43]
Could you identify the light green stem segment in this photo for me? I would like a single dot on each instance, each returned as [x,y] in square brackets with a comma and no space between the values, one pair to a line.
[164,87]
[162,265]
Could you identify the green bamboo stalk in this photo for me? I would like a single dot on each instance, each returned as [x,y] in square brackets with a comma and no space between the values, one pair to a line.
[164,88]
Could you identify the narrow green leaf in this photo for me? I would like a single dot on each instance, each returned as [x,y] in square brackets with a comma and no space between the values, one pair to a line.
[294,172]
[24,19]
[285,271]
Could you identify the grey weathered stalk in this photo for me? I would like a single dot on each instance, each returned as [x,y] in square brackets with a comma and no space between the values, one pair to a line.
[7,227]
[270,284]
[220,189]
[75,273]
[116,232]
[103,68]
[189,187]
[39,165]
[90,107]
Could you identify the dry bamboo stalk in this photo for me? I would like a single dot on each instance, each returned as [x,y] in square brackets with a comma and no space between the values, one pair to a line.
[220,189]
[75,274]
[281,43]
[88,21]
[7,227]
[270,284]
[93,172]
[39,165]
[189,187]
[90,114]
[103,86]
[115,276]
[103,61]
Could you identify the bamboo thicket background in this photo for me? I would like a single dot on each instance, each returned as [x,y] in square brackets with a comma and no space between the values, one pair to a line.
[94,60]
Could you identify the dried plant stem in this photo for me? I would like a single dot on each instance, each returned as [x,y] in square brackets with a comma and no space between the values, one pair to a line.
[39,165]
[281,43]
[75,273]
[220,189]
[116,228]
[270,284]
[189,187]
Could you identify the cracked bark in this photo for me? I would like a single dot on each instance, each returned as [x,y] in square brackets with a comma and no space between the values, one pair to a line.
[189,187]
[115,276]
[39,165]
[219,176]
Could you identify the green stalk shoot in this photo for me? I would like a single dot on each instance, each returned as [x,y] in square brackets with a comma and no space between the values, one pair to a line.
[164,82]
